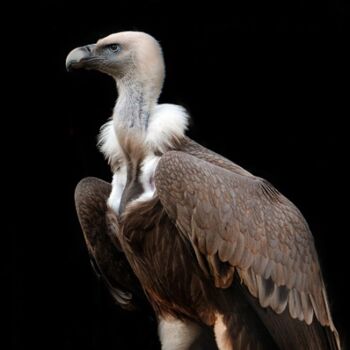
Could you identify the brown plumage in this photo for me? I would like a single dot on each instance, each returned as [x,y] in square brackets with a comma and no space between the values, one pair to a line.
[99,226]
[212,245]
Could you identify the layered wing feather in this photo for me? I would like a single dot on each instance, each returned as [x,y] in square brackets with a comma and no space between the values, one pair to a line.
[240,223]
[99,225]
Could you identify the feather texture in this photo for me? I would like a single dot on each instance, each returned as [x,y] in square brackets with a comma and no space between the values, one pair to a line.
[99,226]
[254,229]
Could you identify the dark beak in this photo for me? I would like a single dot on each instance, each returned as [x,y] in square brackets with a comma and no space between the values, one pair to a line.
[80,57]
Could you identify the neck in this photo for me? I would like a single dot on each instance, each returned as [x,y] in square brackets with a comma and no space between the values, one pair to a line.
[134,106]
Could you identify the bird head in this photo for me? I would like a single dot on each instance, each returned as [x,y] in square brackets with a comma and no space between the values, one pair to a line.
[124,56]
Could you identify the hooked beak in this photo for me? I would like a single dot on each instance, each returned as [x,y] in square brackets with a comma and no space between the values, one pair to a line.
[81,57]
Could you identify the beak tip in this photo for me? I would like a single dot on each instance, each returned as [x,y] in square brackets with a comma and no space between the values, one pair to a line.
[69,67]
[75,57]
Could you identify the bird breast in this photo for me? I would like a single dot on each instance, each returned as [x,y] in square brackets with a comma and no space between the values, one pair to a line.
[127,182]
[133,159]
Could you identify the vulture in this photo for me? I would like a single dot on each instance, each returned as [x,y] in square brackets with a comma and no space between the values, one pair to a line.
[221,257]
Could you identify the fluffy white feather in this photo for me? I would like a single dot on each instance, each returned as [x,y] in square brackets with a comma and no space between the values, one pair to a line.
[221,336]
[166,122]
[177,335]
[108,142]
[148,169]
[118,185]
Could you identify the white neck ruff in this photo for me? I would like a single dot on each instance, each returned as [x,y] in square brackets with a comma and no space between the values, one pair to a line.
[167,123]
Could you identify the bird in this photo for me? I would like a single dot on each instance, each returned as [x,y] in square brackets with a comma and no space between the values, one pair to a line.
[212,248]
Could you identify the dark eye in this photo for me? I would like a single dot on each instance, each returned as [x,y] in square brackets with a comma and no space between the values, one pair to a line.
[114,47]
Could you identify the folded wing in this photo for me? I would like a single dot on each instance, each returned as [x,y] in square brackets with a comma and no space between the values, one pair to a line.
[239,223]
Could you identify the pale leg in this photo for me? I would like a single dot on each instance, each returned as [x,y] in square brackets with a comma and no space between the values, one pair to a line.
[177,335]
[221,336]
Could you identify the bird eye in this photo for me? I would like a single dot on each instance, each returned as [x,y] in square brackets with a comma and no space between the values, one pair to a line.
[114,47]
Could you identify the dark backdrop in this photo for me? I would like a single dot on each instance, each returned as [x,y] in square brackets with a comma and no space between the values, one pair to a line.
[266,85]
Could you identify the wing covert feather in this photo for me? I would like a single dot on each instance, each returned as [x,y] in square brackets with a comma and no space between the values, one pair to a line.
[99,225]
[248,225]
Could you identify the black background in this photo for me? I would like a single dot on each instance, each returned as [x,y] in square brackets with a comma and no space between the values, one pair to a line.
[266,86]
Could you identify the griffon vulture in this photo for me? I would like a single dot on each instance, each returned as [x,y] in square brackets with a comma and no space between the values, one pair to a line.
[209,244]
